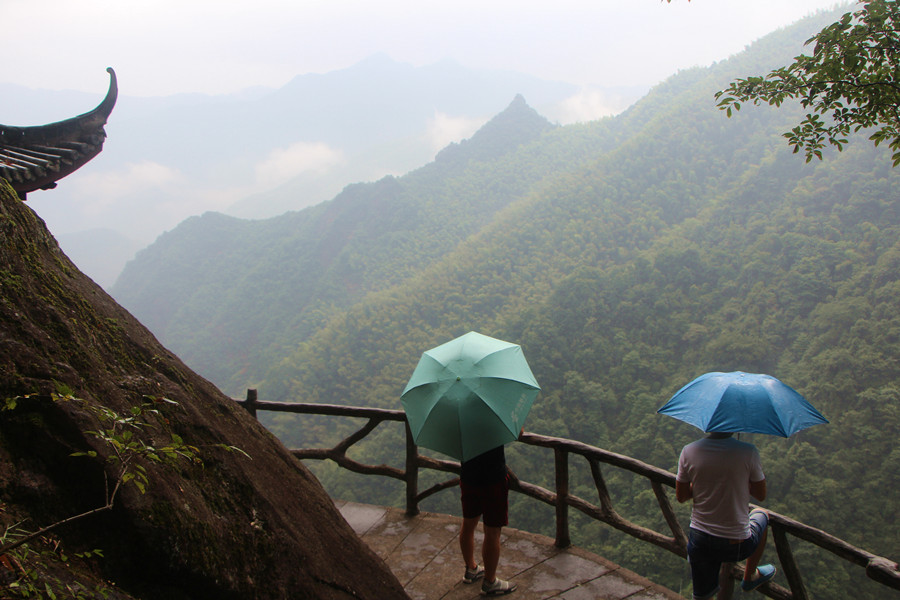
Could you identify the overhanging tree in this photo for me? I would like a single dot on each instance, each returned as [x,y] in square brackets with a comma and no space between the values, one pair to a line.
[851,82]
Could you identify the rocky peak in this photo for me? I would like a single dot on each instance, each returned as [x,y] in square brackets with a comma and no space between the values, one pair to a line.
[516,125]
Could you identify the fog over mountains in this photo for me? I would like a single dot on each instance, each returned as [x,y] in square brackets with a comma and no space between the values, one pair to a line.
[263,152]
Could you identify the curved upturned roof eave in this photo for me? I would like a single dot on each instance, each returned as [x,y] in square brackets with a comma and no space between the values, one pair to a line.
[36,157]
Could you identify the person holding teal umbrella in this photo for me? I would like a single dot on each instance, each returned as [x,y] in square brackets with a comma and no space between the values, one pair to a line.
[467,398]
[484,488]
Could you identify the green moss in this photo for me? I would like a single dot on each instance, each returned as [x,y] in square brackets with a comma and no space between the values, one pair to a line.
[10,282]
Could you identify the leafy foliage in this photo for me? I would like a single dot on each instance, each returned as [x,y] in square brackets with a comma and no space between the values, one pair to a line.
[24,572]
[850,82]
[125,452]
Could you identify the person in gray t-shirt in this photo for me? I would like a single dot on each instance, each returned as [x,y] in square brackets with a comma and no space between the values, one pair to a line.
[720,474]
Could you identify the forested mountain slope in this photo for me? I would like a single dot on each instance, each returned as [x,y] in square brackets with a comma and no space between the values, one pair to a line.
[626,256]
[625,281]
[233,296]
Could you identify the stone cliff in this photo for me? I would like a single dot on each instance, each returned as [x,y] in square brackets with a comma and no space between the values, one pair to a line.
[234,526]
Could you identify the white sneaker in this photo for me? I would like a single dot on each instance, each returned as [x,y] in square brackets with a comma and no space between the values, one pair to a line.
[497,587]
[473,575]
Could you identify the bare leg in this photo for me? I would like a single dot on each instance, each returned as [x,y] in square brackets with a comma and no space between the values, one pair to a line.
[467,541]
[490,552]
[753,560]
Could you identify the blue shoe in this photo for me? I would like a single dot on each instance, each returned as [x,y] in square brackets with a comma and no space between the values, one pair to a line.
[766,572]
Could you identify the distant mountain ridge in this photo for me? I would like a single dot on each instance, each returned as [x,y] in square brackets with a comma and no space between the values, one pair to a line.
[262,153]
[290,275]
[334,253]
[309,265]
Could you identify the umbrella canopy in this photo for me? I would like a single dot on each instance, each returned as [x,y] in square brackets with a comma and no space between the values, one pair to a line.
[741,402]
[469,395]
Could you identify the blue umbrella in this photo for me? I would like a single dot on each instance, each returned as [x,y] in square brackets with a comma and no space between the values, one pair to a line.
[741,402]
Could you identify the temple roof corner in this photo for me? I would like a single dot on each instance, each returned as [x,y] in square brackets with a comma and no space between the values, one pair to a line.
[35,158]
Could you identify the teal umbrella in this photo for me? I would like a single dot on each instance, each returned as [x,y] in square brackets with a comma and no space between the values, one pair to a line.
[469,395]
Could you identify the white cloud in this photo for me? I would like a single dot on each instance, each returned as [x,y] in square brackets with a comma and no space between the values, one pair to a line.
[283,164]
[589,105]
[100,190]
[444,129]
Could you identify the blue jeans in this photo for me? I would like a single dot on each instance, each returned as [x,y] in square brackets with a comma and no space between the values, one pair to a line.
[706,554]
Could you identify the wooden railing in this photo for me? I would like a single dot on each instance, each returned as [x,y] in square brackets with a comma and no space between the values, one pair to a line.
[877,568]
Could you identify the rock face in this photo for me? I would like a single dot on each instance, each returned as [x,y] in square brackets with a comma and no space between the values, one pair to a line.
[235,526]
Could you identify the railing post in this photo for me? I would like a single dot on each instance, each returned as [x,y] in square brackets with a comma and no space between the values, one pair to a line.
[788,564]
[250,403]
[412,473]
[561,458]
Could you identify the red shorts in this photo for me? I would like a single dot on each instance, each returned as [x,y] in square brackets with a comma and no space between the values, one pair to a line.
[492,501]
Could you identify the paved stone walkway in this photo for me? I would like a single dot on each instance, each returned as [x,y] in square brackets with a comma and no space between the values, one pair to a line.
[423,552]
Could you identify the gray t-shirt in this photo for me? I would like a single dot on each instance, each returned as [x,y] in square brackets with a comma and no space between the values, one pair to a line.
[721,471]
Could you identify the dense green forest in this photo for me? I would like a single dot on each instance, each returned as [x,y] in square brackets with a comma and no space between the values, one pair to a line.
[626,256]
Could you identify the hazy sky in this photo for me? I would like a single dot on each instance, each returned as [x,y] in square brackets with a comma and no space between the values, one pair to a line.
[165,47]
[162,47]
